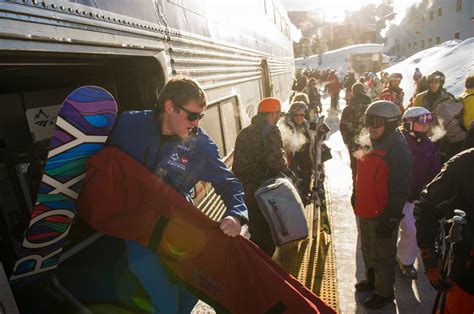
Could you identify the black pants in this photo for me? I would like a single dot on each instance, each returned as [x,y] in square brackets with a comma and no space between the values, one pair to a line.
[354,177]
[379,256]
[258,227]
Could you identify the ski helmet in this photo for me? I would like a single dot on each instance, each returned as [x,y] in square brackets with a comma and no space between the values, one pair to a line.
[382,113]
[437,75]
[419,114]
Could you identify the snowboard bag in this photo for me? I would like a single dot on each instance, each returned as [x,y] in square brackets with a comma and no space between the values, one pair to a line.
[281,205]
[124,199]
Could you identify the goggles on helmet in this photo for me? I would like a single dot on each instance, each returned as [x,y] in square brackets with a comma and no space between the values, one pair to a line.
[374,121]
[423,119]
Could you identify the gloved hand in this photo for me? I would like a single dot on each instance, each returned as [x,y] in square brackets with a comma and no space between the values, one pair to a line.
[386,227]
[438,280]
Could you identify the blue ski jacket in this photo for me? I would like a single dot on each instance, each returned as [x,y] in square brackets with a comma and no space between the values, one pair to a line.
[180,162]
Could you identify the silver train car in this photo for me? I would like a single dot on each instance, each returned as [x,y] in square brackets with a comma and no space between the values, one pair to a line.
[239,51]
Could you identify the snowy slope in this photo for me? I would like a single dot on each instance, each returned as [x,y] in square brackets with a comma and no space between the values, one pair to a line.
[454,58]
[337,59]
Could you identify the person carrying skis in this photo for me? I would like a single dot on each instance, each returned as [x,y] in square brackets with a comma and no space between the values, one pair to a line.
[169,142]
[415,125]
[352,123]
[382,188]
[259,155]
[451,189]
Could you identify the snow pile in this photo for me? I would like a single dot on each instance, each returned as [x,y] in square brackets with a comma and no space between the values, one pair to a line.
[338,59]
[454,58]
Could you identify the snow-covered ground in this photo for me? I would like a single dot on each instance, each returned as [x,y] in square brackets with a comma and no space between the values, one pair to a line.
[454,58]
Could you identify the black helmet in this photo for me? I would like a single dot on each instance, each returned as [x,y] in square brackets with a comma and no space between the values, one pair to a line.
[382,112]
[437,75]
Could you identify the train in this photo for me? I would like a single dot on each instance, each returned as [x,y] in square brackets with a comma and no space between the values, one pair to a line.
[239,52]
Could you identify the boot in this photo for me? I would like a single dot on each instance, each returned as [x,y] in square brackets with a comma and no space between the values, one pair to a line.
[409,271]
[364,286]
[377,302]
[367,284]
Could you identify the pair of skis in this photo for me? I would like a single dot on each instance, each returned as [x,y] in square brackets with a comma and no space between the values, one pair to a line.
[320,213]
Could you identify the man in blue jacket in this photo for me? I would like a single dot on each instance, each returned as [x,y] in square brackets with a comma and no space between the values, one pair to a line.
[169,142]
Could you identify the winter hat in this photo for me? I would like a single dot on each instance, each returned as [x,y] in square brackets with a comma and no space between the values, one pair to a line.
[358,89]
[395,76]
[269,104]
[417,75]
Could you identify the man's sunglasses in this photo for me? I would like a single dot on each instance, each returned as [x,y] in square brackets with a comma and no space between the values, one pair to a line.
[192,116]
[374,121]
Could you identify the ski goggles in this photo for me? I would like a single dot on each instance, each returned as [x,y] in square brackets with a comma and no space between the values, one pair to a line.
[425,118]
[192,116]
[374,121]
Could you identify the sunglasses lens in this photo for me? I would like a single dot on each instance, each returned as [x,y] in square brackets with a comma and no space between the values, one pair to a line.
[193,116]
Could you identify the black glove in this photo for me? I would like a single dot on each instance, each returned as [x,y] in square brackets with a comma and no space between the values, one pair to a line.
[386,228]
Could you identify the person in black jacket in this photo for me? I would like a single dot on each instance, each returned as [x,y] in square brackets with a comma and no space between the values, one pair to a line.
[352,123]
[451,189]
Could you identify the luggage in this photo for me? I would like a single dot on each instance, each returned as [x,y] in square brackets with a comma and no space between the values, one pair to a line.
[282,207]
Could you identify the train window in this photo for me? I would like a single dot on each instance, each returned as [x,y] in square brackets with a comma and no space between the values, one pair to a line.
[211,123]
[222,124]
[230,123]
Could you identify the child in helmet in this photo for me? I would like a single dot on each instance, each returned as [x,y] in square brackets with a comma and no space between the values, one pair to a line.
[415,126]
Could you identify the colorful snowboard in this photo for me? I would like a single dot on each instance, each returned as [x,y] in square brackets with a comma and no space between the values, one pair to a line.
[84,121]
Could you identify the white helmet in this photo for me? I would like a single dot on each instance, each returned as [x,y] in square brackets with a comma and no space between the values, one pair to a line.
[419,114]
[414,112]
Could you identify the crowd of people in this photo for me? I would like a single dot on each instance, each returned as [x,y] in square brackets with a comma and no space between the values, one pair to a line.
[392,197]
[397,207]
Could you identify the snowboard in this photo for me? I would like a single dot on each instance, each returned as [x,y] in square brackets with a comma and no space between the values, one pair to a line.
[85,119]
